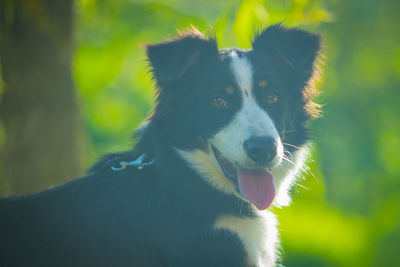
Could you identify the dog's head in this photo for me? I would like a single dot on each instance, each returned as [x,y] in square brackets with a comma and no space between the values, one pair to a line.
[237,116]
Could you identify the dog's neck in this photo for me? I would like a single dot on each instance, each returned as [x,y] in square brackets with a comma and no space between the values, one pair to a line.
[170,165]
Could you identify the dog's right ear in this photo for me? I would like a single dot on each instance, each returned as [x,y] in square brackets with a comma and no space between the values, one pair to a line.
[171,59]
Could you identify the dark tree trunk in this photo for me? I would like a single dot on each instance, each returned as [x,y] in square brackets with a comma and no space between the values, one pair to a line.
[39,106]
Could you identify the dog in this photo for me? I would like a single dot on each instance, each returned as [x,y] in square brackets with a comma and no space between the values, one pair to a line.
[224,142]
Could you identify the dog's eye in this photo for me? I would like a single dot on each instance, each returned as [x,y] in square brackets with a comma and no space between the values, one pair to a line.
[272,98]
[220,102]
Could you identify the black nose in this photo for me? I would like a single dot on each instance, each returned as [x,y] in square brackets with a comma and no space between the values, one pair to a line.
[260,149]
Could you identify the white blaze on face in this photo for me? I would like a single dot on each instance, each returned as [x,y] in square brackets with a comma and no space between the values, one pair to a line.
[250,121]
[243,72]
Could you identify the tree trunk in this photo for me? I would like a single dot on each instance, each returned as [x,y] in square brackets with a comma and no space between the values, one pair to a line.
[39,108]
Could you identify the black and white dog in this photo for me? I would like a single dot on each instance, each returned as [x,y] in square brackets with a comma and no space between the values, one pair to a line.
[224,142]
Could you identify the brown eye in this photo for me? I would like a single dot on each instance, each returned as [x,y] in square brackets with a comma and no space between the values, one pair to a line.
[272,98]
[220,102]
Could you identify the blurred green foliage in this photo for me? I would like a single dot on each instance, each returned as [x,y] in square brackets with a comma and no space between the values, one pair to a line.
[346,210]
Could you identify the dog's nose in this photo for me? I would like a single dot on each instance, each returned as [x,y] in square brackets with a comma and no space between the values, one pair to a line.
[261,149]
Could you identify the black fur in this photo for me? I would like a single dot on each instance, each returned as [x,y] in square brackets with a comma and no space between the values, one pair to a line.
[163,214]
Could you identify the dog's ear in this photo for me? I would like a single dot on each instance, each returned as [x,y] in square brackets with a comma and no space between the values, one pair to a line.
[297,48]
[171,59]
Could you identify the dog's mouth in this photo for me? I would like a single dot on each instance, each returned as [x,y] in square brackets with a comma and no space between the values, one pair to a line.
[255,185]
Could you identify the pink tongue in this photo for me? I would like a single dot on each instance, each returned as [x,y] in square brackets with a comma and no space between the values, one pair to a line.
[257,186]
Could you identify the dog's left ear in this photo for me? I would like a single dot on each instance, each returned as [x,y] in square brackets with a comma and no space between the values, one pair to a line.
[295,47]
[172,59]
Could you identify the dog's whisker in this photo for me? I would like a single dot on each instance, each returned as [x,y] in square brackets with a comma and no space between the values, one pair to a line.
[286,144]
[288,160]
[313,175]
[302,186]
[288,153]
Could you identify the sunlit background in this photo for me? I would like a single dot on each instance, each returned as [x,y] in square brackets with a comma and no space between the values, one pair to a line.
[346,210]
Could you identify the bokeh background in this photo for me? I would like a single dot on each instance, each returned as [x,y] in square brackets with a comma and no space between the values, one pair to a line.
[75,85]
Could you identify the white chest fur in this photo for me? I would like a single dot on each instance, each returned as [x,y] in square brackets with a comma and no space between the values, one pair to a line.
[259,236]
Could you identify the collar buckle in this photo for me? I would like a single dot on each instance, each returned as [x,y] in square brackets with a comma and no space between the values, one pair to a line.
[139,163]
